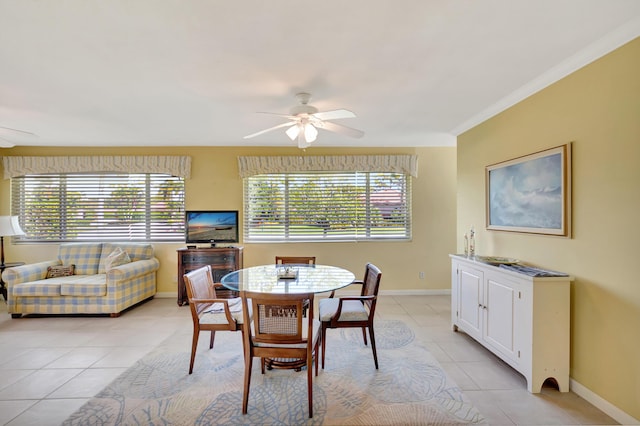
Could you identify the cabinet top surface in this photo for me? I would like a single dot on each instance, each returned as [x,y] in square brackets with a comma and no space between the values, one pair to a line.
[527,272]
[209,248]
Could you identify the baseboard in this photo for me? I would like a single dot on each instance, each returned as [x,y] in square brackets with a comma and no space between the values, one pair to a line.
[425,292]
[602,404]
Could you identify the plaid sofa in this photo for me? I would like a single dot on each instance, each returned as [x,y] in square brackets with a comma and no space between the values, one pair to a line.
[91,290]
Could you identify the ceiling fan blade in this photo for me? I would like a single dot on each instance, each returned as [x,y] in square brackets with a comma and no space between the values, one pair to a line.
[289,116]
[334,115]
[16,130]
[343,130]
[279,126]
[6,144]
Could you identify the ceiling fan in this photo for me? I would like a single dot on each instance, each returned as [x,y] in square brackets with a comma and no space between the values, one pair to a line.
[6,143]
[305,120]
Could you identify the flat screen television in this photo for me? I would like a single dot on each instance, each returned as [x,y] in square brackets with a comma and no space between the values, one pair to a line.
[211,226]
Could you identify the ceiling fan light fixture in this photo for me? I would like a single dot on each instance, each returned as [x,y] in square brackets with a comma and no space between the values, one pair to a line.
[293,132]
[310,132]
[303,143]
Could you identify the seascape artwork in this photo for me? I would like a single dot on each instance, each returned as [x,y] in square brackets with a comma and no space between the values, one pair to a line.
[528,194]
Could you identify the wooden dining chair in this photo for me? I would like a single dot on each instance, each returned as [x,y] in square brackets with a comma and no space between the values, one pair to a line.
[297,260]
[353,311]
[293,260]
[210,311]
[279,330]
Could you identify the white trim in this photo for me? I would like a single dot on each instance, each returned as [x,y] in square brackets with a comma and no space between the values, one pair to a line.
[426,292]
[601,47]
[602,404]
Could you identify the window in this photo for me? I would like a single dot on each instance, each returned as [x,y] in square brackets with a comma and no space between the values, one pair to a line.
[336,206]
[99,206]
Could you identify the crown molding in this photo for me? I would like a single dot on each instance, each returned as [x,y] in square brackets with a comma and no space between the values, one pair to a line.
[624,34]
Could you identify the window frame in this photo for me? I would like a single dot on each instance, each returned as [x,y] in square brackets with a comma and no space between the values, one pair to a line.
[362,228]
[98,209]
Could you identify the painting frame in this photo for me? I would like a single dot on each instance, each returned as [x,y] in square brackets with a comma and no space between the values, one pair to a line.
[531,194]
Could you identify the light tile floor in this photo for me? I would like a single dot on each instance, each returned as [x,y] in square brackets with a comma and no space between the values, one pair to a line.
[50,366]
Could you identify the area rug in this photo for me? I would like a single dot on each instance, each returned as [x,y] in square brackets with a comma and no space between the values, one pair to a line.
[409,388]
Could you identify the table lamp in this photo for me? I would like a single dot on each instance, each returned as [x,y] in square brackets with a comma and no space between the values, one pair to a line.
[9,226]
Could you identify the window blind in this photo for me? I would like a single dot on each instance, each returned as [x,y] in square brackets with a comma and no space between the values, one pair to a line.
[99,207]
[342,206]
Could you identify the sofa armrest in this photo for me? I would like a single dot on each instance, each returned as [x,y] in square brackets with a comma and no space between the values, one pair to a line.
[27,273]
[133,269]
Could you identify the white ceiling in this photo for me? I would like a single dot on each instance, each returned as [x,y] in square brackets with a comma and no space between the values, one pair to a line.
[195,72]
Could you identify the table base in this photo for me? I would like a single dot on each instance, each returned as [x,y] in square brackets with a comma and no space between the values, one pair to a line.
[285,363]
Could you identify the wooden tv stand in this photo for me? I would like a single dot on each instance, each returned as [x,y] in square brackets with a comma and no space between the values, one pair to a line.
[222,260]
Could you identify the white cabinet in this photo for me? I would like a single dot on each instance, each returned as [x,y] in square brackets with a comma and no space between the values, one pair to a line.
[522,319]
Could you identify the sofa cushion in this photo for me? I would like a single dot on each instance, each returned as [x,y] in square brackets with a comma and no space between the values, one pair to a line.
[136,251]
[90,285]
[60,271]
[116,258]
[74,285]
[86,256]
[47,287]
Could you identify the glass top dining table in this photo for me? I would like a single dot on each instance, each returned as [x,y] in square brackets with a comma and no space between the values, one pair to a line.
[307,279]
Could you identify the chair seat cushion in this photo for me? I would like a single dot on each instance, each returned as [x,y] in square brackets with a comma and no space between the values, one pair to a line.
[352,310]
[215,317]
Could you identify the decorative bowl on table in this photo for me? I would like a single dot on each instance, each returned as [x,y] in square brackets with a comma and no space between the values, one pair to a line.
[287,273]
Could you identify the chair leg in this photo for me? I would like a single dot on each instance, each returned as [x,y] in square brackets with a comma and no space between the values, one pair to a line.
[364,335]
[315,352]
[248,361]
[324,341]
[310,383]
[373,345]
[213,336]
[194,346]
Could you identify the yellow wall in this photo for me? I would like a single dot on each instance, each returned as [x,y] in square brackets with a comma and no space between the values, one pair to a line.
[215,184]
[598,109]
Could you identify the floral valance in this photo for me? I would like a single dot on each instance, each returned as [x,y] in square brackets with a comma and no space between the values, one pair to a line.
[258,165]
[173,165]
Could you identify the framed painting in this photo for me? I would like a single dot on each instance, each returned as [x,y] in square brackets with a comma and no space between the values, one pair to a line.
[532,193]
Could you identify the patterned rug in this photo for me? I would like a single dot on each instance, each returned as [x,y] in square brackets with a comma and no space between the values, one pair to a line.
[409,388]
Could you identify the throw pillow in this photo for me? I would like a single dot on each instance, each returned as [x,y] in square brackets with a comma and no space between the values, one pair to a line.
[116,258]
[60,271]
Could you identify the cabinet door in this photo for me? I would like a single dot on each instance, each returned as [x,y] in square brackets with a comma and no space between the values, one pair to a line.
[470,300]
[499,315]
